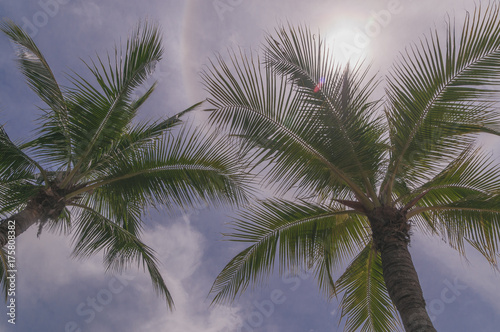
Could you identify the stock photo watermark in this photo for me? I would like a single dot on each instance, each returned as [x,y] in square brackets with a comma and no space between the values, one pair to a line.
[448,295]
[48,9]
[88,310]
[160,74]
[361,38]
[262,310]
[223,6]
[11,272]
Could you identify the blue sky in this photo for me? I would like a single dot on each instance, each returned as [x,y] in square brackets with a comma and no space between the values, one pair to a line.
[54,289]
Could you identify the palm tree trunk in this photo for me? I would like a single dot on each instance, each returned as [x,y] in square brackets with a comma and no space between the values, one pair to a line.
[404,288]
[47,204]
[18,223]
[390,231]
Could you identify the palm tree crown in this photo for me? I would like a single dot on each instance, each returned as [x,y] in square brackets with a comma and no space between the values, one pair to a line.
[93,170]
[364,171]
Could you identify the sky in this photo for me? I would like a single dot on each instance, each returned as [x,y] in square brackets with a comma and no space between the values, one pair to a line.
[54,290]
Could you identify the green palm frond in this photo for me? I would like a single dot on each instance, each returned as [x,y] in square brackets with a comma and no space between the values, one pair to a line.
[293,233]
[473,169]
[338,96]
[95,232]
[260,107]
[15,164]
[136,138]
[366,302]
[473,172]
[98,116]
[461,203]
[474,219]
[485,248]
[329,253]
[61,225]
[41,79]
[186,169]
[14,195]
[441,96]
[17,175]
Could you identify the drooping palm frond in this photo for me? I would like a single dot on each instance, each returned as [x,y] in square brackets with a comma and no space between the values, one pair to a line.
[329,254]
[366,302]
[474,219]
[62,225]
[15,164]
[461,203]
[184,169]
[440,97]
[95,232]
[472,173]
[293,233]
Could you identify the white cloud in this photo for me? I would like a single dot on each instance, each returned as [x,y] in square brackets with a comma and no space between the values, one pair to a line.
[179,246]
[182,249]
[89,12]
[478,274]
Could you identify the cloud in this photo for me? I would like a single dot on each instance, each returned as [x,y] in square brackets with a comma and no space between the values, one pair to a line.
[478,274]
[181,249]
[89,13]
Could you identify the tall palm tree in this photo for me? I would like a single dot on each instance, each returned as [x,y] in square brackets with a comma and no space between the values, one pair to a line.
[365,172]
[93,170]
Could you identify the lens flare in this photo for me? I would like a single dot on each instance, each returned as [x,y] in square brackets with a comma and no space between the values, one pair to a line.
[319,85]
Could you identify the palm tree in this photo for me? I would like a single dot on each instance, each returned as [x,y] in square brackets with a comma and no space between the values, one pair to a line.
[93,170]
[364,172]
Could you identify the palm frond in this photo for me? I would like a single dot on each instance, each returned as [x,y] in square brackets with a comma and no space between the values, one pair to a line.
[61,225]
[473,172]
[474,219]
[187,169]
[18,172]
[340,97]
[262,108]
[135,139]
[366,302]
[41,79]
[99,116]
[328,254]
[14,195]
[440,97]
[95,232]
[292,233]
[15,164]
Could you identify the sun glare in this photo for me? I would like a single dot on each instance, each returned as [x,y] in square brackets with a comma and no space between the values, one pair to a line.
[348,43]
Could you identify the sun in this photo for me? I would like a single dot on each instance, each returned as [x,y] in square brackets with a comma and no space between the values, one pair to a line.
[348,42]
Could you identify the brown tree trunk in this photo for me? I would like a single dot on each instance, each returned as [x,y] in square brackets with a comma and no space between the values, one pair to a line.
[391,236]
[18,223]
[404,288]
